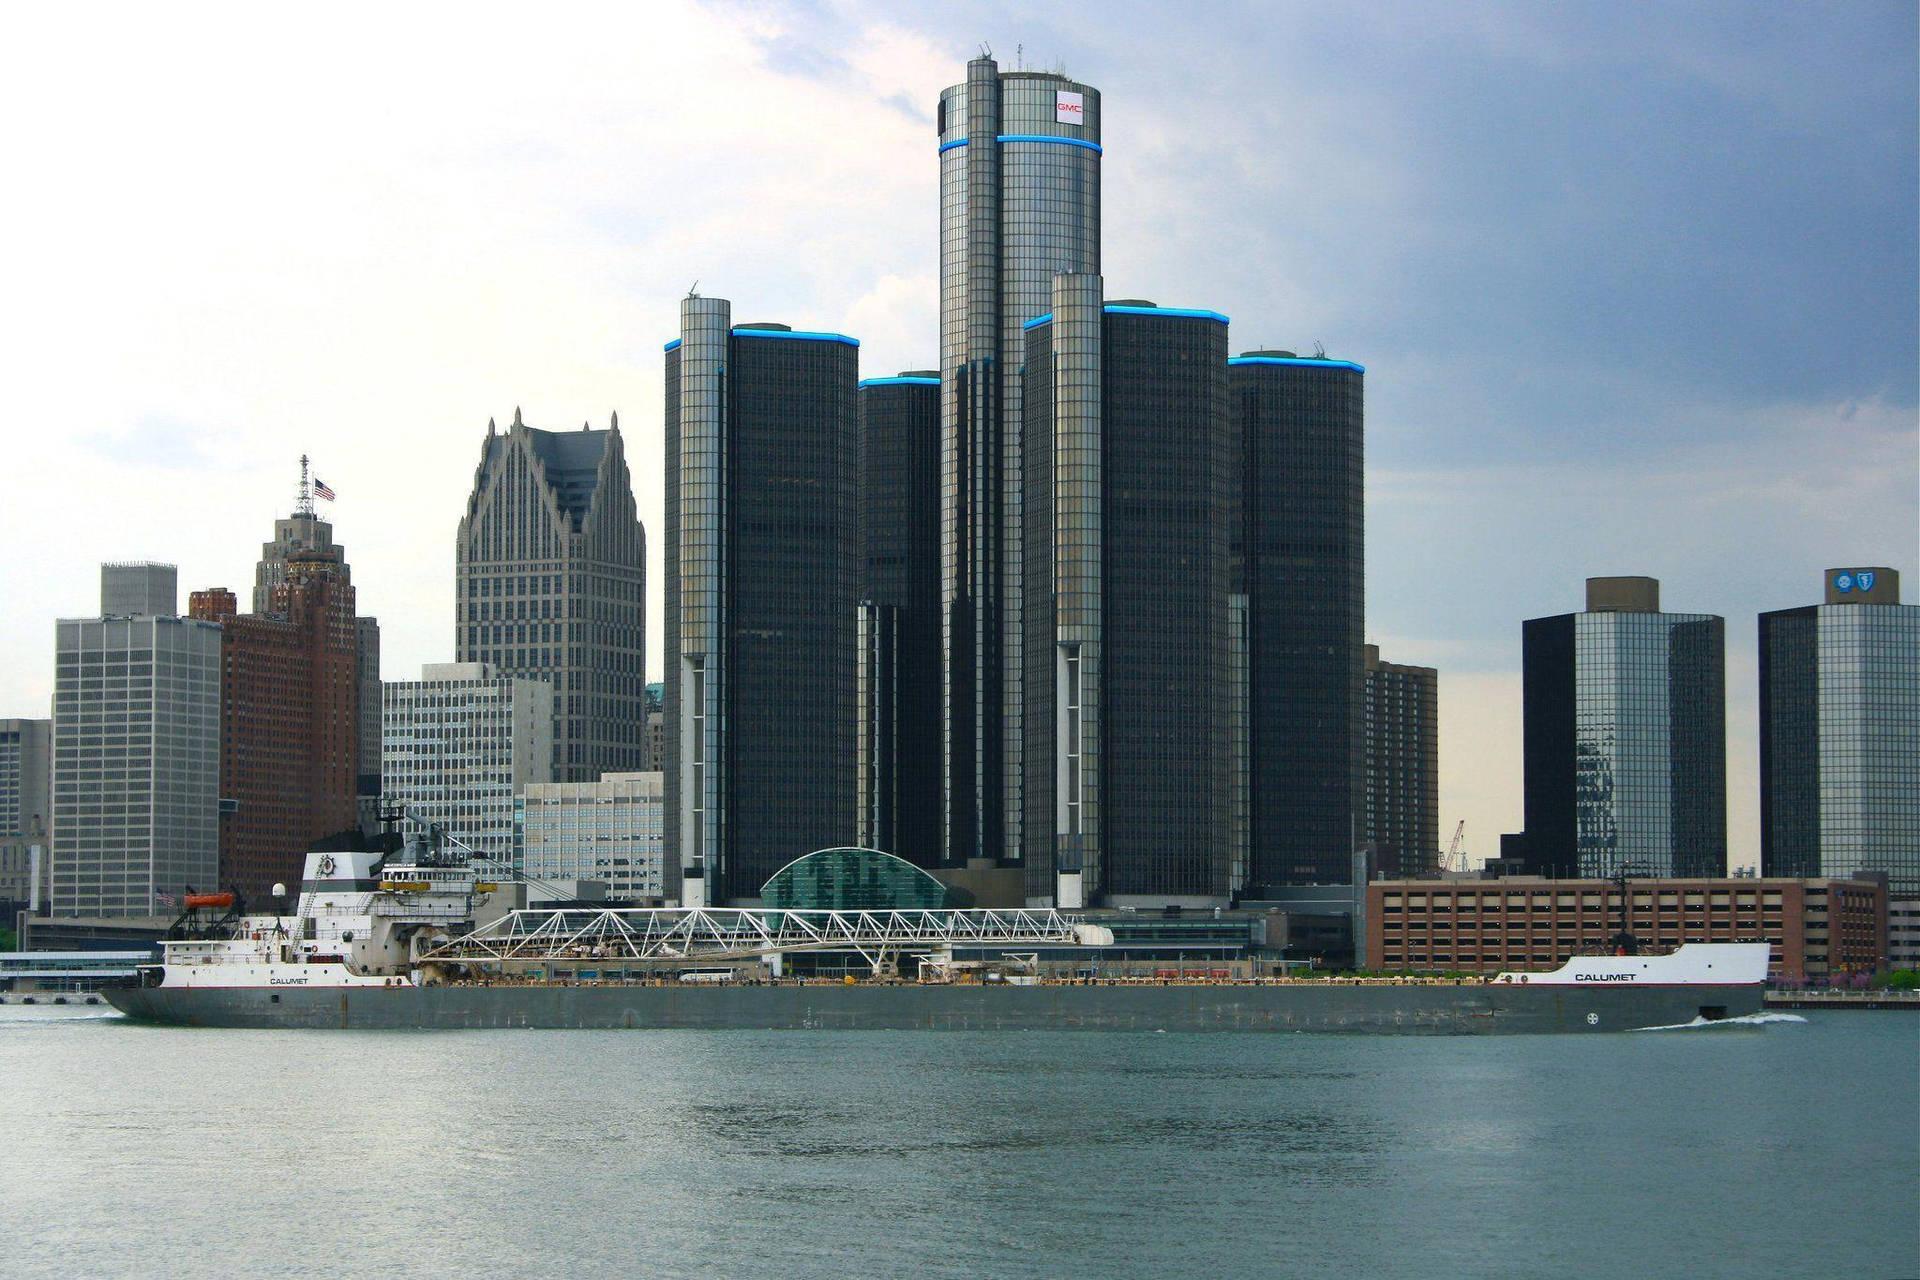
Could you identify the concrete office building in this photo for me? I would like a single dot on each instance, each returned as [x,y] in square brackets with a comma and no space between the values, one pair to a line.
[460,742]
[899,627]
[1019,204]
[760,600]
[607,831]
[305,537]
[1819,928]
[1840,733]
[1626,749]
[136,751]
[1127,476]
[139,589]
[1400,790]
[26,809]
[1302,570]
[550,584]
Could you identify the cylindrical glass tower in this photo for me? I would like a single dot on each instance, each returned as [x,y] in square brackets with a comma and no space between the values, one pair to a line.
[1019,204]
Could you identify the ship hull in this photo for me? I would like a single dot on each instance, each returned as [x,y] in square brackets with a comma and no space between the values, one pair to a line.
[1467,1009]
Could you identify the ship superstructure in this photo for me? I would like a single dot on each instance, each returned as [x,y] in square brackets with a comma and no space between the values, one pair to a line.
[360,919]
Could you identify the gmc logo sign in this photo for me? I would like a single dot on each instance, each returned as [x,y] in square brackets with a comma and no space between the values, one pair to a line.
[1068,108]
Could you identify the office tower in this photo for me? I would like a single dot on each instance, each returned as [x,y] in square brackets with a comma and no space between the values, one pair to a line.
[26,805]
[1128,467]
[654,699]
[459,743]
[760,488]
[366,645]
[1626,746]
[1401,787]
[309,538]
[1840,734]
[1302,569]
[289,721]
[139,589]
[551,585]
[899,629]
[1019,204]
[607,831]
[136,753]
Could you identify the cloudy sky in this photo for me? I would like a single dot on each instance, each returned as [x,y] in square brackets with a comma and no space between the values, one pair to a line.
[1635,285]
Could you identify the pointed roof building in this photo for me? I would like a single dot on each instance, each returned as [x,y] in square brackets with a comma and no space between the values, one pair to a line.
[550,584]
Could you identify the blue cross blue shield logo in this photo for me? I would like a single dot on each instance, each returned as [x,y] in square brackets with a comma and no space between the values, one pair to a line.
[1865,579]
[1843,582]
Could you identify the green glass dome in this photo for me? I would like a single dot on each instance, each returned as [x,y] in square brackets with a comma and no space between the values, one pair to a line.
[854,880]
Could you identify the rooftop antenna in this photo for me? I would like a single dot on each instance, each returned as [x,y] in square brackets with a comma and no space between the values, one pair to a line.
[1020,57]
[304,507]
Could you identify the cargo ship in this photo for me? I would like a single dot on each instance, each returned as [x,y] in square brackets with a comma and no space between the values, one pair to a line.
[384,942]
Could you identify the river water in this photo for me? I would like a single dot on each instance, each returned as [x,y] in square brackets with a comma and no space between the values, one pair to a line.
[1785,1149]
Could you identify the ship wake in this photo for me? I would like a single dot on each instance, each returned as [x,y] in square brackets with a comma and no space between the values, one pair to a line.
[14,1013]
[1746,1020]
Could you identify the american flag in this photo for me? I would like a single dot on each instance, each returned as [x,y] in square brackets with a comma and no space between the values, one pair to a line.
[320,489]
[166,899]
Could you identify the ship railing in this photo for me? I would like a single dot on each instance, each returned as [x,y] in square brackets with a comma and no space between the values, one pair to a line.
[676,936]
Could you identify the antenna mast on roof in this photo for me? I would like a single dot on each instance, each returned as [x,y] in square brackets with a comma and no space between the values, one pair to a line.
[304,507]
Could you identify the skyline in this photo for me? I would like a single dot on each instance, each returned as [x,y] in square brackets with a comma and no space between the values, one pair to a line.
[1595,276]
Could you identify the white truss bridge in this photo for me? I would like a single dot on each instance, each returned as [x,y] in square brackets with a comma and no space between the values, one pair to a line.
[698,935]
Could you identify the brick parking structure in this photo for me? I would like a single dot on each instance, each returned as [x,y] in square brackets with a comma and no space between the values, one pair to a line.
[1820,929]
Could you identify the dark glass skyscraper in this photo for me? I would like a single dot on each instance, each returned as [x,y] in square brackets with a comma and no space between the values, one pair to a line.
[1401,789]
[1302,569]
[1019,204]
[550,584]
[1625,737]
[761,603]
[899,558]
[1840,734]
[1127,473]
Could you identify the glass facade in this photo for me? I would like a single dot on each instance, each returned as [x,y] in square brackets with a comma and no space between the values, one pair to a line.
[1626,744]
[761,607]
[1019,203]
[1840,742]
[899,589]
[854,880]
[1302,566]
[1128,473]
[550,584]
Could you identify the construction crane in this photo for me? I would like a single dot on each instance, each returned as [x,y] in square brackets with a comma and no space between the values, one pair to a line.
[1456,858]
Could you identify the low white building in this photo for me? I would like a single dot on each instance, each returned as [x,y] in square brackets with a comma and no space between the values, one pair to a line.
[458,744]
[608,831]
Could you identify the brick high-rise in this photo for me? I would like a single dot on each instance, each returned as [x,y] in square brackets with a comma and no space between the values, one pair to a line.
[290,720]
